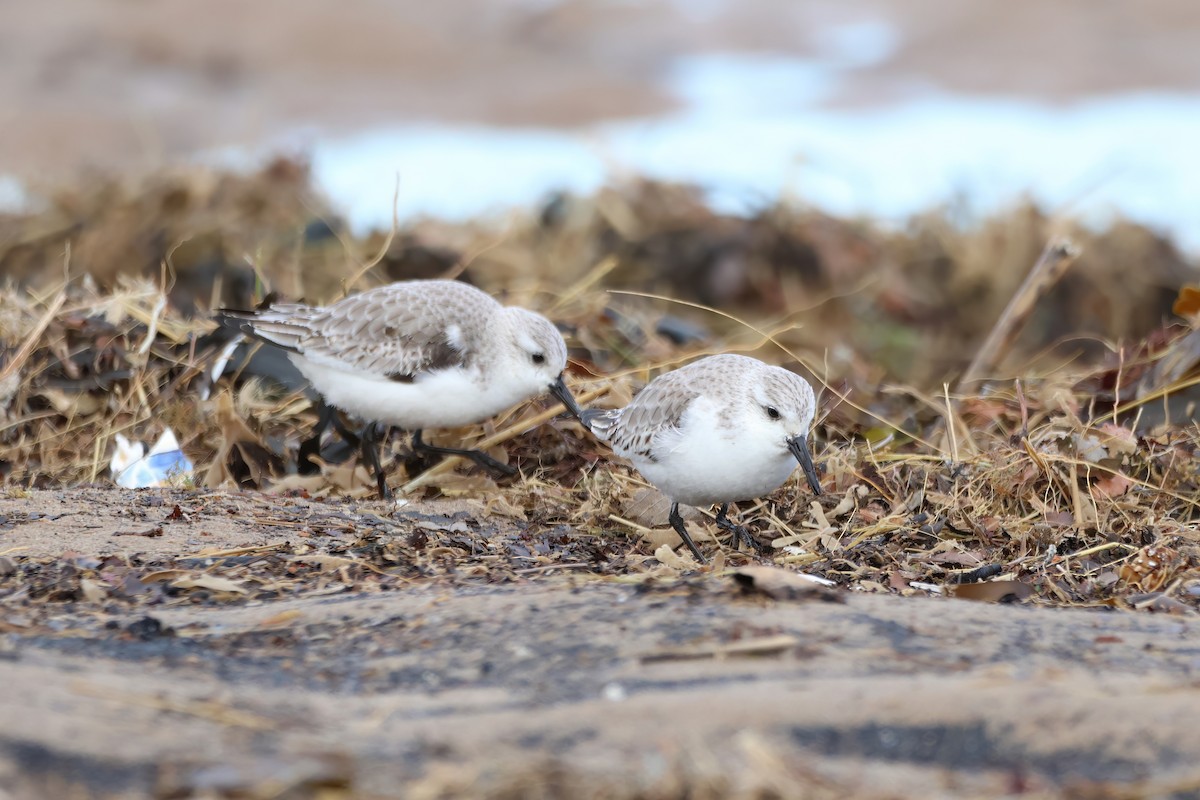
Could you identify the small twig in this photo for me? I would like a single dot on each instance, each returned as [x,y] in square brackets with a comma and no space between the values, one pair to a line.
[1160,393]
[1024,410]
[26,349]
[1099,548]
[642,529]
[324,560]
[383,248]
[548,567]
[149,534]
[950,424]
[1050,267]
[243,551]
[587,282]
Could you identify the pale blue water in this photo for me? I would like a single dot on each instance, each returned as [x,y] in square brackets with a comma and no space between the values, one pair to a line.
[753,130]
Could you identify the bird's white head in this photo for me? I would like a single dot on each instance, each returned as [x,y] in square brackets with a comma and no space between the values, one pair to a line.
[786,404]
[531,355]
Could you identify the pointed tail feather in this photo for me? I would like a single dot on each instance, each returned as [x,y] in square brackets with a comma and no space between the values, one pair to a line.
[273,325]
[600,421]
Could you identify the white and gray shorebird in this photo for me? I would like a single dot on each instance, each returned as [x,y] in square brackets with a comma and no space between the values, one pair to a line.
[721,429]
[416,355]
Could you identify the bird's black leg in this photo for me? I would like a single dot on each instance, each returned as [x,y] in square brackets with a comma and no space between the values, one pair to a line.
[677,523]
[739,532]
[312,445]
[349,436]
[478,456]
[371,436]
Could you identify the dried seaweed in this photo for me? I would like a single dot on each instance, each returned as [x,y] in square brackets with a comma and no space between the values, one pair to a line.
[1075,474]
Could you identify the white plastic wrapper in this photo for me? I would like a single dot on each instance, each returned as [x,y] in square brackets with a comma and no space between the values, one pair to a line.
[165,465]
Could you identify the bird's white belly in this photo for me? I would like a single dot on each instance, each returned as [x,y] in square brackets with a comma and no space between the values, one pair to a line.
[716,468]
[444,399]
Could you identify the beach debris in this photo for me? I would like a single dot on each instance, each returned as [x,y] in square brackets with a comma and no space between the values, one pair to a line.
[163,465]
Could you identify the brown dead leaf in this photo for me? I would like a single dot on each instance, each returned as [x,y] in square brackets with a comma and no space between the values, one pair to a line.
[233,431]
[649,507]
[656,538]
[504,506]
[983,409]
[869,516]
[162,575]
[849,501]
[1119,440]
[214,583]
[1151,568]
[1060,519]
[990,591]
[74,404]
[281,620]
[1187,304]
[1112,485]
[312,484]
[669,558]
[955,557]
[349,478]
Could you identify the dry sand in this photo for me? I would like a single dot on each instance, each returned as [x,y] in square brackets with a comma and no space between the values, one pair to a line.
[554,683]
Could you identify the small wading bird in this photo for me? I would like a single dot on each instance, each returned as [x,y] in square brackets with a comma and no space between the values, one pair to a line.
[416,355]
[721,429]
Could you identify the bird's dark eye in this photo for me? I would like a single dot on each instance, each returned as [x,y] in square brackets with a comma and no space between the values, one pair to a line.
[772,412]
[539,358]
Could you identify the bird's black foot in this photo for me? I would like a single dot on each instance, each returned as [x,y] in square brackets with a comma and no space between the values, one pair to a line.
[478,456]
[677,523]
[739,532]
[310,447]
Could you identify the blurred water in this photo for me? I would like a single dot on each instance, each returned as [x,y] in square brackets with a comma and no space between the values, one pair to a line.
[754,129]
[12,194]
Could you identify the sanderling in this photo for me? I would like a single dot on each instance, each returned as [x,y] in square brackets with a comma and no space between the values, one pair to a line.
[721,429]
[416,355]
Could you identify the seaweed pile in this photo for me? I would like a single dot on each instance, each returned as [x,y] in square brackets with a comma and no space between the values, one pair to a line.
[1063,466]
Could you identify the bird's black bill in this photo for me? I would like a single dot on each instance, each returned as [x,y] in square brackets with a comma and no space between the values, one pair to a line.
[799,447]
[563,395]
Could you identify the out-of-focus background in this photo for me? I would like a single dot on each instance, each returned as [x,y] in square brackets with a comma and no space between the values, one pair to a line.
[878,107]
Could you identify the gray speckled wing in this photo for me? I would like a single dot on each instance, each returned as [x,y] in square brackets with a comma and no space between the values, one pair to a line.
[657,408]
[396,331]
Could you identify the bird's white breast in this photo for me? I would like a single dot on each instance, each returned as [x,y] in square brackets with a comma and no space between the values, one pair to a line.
[715,458]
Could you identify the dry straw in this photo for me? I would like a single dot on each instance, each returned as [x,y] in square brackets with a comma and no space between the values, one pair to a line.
[1059,481]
